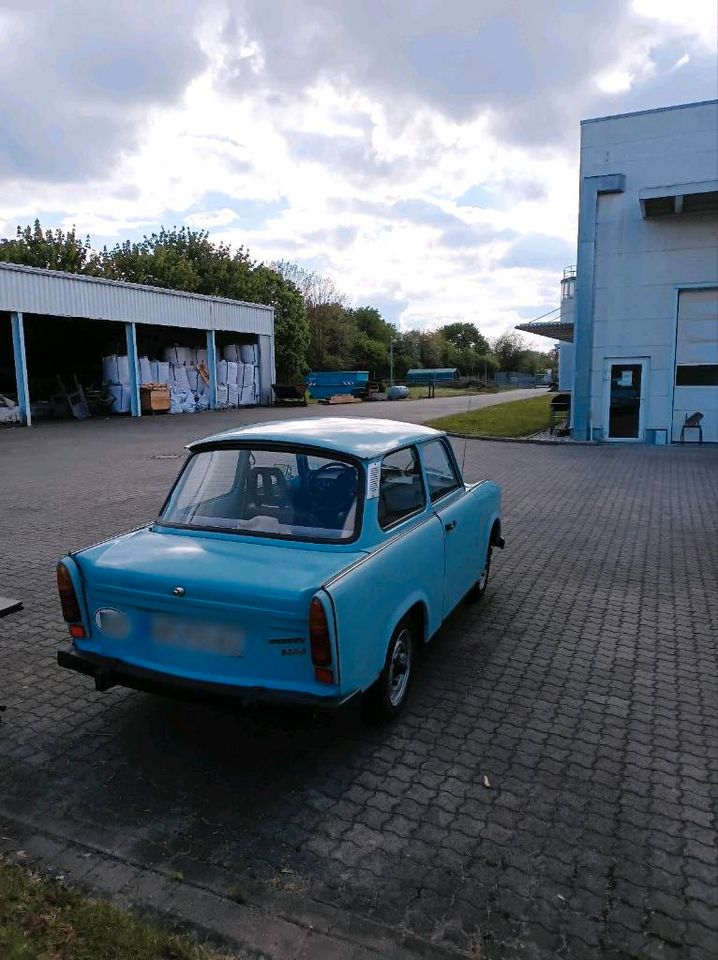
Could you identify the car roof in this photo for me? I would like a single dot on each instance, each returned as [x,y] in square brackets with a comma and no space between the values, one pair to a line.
[362,437]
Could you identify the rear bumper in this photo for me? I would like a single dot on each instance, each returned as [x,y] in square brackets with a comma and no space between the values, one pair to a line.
[108,672]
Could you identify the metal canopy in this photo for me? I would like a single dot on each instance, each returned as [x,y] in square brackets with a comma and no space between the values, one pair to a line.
[53,293]
[553,329]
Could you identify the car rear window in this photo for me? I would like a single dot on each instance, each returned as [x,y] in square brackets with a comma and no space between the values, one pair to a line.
[267,491]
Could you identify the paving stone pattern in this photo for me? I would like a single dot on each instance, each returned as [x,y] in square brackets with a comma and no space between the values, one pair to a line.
[583,688]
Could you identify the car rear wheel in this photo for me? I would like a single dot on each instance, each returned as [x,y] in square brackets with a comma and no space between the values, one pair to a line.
[479,588]
[385,699]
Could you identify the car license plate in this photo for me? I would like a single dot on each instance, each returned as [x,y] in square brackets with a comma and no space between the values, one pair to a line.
[222,638]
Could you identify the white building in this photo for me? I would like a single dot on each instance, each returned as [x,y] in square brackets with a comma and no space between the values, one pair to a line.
[643,317]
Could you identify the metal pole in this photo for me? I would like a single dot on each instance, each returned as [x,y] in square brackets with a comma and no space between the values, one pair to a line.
[18,349]
[391,364]
[212,369]
[134,369]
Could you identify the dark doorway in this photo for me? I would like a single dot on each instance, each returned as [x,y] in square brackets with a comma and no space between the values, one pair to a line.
[624,412]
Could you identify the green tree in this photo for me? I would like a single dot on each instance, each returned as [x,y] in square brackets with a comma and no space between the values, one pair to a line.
[332,336]
[370,322]
[371,355]
[182,259]
[50,250]
[291,328]
[508,349]
[465,336]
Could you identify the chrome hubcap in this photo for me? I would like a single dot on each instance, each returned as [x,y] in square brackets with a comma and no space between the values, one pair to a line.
[400,668]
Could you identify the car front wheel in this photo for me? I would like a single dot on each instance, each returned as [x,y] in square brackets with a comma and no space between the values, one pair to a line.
[385,699]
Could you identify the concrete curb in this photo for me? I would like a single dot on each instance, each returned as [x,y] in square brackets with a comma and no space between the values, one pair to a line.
[266,925]
[542,443]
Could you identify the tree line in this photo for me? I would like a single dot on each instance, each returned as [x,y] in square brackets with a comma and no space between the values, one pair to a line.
[315,327]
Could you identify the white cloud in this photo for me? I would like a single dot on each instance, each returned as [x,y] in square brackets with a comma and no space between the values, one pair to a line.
[695,18]
[423,154]
[211,219]
[615,81]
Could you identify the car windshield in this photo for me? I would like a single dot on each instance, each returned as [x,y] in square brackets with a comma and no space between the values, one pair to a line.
[270,492]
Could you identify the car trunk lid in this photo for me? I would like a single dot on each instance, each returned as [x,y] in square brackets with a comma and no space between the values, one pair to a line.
[211,606]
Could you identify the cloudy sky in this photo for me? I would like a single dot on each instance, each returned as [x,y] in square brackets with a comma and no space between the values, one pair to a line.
[423,153]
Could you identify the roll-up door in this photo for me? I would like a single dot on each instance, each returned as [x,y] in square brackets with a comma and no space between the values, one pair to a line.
[696,374]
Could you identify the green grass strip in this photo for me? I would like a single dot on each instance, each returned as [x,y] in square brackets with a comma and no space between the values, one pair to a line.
[42,920]
[515,418]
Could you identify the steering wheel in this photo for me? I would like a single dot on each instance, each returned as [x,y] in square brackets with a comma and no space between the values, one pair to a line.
[325,494]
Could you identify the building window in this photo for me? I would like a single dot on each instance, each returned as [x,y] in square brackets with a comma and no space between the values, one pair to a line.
[697,375]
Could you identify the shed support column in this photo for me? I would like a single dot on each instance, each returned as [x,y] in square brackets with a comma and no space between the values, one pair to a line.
[212,369]
[18,349]
[134,368]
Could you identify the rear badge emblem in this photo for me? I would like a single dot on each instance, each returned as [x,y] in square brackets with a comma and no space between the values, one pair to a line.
[178,591]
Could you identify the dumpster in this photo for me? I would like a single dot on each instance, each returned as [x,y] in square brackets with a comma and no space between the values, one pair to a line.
[329,383]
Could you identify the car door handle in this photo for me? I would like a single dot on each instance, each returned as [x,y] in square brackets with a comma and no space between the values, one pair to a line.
[451,525]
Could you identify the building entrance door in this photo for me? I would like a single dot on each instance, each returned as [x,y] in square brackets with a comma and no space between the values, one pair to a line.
[625,382]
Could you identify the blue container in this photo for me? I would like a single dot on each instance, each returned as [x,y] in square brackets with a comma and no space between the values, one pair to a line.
[328,383]
[436,375]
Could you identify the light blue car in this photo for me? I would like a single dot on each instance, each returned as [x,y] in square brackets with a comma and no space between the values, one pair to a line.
[302,561]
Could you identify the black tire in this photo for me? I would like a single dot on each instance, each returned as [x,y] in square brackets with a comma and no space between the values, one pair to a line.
[386,698]
[479,588]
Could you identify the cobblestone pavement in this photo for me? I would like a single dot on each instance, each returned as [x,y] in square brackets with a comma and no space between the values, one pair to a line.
[583,688]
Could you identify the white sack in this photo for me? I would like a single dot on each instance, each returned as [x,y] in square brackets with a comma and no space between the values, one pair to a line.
[178,375]
[222,395]
[201,356]
[115,369]
[193,377]
[120,396]
[233,395]
[248,353]
[145,371]
[222,373]
[232,372]
[160,371]
[231,352]
[179,355]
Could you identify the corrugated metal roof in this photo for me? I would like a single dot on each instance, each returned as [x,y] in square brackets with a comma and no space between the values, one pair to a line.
[31,290]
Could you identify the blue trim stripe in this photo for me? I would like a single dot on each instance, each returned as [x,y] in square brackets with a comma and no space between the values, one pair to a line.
[591,189]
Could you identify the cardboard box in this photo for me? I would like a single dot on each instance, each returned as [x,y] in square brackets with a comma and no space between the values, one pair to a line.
[155,398]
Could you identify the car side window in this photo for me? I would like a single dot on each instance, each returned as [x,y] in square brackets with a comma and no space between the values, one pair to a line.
[401,489]
[440,472]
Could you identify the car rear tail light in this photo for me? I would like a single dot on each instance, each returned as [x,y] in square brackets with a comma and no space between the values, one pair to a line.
[68,597]
[320,642]
[77,630]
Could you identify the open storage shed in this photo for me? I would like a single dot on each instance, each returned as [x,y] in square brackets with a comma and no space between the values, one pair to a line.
[54,323]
